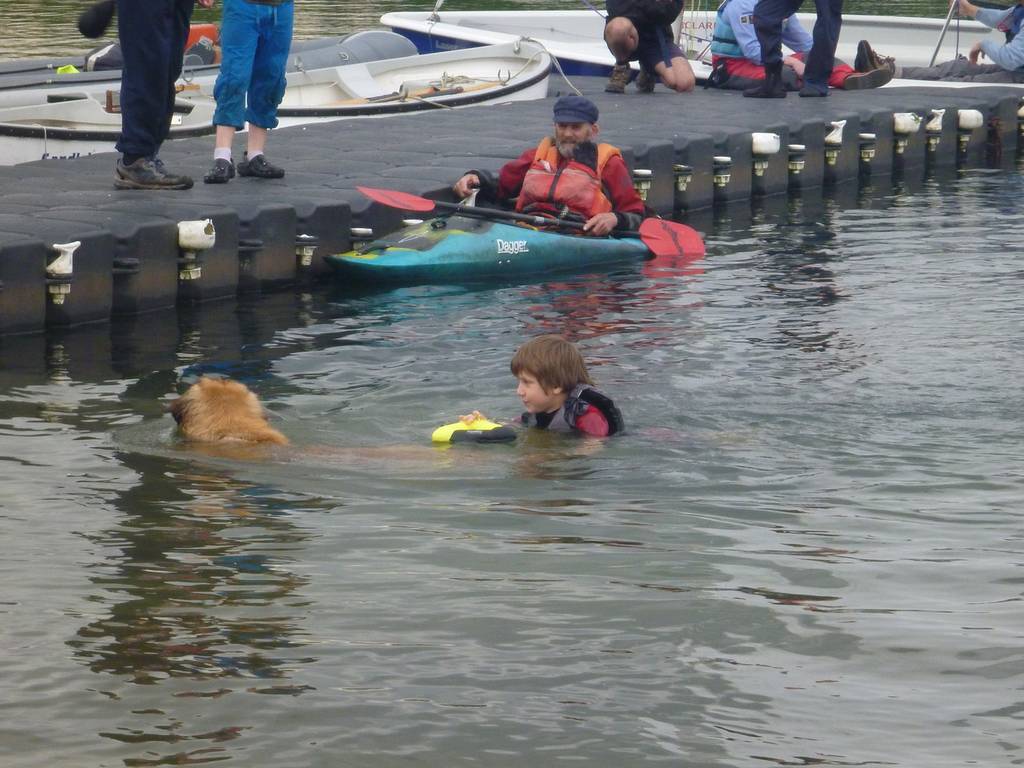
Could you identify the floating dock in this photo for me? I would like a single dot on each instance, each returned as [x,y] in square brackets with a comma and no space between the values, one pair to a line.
[73,250]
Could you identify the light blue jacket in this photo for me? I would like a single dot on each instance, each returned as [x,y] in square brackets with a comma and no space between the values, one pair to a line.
[1011,55]
[735,22]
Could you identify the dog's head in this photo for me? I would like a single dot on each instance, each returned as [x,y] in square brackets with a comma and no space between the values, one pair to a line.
[218,410]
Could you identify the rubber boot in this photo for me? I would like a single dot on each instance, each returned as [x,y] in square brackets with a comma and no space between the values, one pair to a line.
[771,87]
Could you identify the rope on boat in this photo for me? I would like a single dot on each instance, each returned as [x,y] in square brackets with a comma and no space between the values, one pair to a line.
[556,62]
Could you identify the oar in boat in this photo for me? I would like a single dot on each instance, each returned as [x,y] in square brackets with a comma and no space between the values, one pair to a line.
[663,238]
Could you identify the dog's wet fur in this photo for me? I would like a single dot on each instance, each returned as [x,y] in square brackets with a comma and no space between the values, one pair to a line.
[223,411]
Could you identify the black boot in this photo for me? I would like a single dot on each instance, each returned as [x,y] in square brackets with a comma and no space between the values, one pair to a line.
[771,87]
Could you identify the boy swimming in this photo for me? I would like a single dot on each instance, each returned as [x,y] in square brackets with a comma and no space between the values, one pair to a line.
[558,392]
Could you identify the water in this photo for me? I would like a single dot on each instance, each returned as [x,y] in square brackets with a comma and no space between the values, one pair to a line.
[36,28]
[806,551]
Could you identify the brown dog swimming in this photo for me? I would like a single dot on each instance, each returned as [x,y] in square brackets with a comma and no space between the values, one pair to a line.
[222,410]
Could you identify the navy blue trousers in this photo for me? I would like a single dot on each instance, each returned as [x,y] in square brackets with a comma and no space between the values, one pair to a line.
[768,16]
[152,34]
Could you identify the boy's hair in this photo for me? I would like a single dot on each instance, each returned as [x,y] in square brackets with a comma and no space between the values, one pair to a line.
[553,360]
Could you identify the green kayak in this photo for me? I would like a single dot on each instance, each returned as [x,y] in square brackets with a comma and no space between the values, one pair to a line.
[460,249]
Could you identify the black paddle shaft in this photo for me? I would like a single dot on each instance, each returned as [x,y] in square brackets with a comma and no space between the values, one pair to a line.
[527,218]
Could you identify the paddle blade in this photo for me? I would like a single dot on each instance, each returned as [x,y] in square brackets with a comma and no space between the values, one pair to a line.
[395,199]
[669,238]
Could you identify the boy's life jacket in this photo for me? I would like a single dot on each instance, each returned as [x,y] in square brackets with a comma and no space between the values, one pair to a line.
[551,186]
[576,404]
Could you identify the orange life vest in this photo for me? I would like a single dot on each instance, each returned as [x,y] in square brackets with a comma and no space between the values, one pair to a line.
[549,186]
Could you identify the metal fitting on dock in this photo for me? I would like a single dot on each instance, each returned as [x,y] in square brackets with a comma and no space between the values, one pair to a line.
[305,247]
[797,158]
[867,147]
[193,237]
[967,121]
[642,179]
[684,175]
[722,165]
[904,124]
[361,234]
[834,142]
[59,270]
[763,146]
[933,129]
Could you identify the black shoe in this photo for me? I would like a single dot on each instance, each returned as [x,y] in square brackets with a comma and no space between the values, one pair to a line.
[866,59]
[222,172]
[771,87]
[148,173]
[813,92]
[259,168]
[876,78]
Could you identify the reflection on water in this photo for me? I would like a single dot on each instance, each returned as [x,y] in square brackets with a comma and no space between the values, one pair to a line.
[804,551]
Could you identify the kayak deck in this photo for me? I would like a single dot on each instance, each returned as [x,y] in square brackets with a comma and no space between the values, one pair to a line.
[460,249]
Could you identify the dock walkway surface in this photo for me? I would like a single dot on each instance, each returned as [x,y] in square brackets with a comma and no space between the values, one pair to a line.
[697,148]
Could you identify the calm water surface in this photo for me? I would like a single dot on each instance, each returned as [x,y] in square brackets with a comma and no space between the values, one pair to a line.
[806,551]
[48,27]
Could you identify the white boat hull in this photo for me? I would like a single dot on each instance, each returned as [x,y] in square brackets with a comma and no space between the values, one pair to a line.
[511,71]
[66,130]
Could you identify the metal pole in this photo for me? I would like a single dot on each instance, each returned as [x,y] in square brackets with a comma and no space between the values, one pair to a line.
[952,7]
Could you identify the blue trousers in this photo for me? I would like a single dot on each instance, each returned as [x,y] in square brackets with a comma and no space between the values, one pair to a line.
[152,34]
[768,17]
[254,41]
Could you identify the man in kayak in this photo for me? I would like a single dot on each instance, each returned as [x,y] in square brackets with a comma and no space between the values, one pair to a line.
[641,30]
[768,18]
[566,175]
[738,63]
[1008,59]
[152,34]
[255,37]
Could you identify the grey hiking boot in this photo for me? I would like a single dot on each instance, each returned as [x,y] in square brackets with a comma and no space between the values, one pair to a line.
[147,173]
[619,78]
[222,172]
[645,82]
[259,168]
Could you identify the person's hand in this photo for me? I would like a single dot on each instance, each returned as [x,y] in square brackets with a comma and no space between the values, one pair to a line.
[465,186]
[975,53]
[601,224]
[966,8]
[205,3]
[469,418]
[795,64]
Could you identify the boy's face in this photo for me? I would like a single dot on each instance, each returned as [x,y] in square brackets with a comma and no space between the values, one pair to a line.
[535,398]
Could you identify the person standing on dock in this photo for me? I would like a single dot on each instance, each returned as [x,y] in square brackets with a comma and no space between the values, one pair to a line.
[768,19]
[737,62]
[641,30]
[1008,59]
[566,174]
[255,37]
[152,34]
